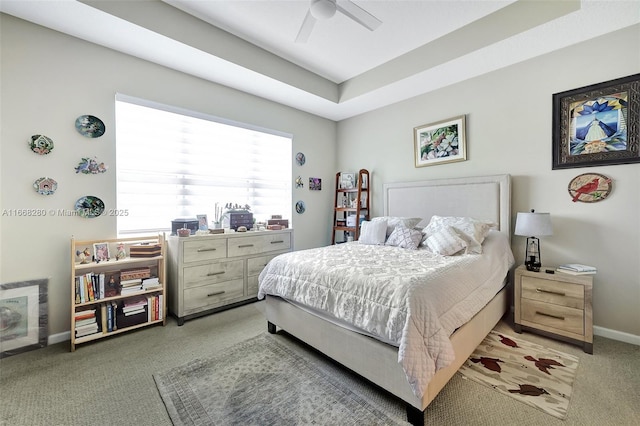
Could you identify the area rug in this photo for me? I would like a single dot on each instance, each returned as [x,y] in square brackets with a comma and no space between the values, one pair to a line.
[538,376]
[262,382]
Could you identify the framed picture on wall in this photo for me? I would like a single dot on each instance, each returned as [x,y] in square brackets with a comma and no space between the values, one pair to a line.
[597,125]
[440,142]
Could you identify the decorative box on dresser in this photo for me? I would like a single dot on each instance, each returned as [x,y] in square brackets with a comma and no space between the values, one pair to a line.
[213,272]
[557,304]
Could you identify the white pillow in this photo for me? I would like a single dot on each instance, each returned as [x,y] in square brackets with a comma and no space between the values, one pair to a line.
[472,231]
[404,237]
[373,232]
[393,221]
[446,242]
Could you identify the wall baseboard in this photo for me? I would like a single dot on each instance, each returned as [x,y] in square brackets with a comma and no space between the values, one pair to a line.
[616,335]
[598,331]
[58,338]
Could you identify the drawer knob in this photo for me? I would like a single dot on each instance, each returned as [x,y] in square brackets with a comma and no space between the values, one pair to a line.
[215,273]
[217,293]
[542,290]
[549,315]
[206,249]
[277,242]
[245,245]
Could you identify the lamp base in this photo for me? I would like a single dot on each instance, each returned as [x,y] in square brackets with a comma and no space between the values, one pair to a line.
[535,267]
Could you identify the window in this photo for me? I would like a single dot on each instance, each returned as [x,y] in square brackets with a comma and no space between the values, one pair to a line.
[173,163]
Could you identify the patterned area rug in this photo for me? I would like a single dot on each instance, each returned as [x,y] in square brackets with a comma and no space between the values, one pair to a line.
[262,382]
[538,376]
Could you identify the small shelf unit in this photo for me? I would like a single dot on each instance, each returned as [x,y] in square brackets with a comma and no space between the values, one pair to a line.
[351,206]
[100,305]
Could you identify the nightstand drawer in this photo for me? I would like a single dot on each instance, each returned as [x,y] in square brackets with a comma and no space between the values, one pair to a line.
[211,296]
[553,292]
[212,273]
[559,317]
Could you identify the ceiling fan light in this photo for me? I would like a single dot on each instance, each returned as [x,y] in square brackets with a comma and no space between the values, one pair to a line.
[323,9]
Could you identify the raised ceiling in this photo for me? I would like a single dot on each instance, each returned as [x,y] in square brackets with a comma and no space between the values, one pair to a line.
[343,69]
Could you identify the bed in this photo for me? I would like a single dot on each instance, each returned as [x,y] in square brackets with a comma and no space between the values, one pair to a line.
[412,368]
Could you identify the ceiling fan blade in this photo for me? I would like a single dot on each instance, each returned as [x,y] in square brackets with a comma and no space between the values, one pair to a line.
[358,14]
[305,29]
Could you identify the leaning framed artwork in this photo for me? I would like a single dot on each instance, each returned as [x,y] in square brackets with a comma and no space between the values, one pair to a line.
[597,125]
[440,142]
[23,316]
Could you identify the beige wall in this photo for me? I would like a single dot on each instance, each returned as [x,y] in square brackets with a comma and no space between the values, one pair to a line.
[49,79]
[509,130]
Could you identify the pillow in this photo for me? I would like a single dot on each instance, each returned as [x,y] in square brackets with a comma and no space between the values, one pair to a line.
[472,231]
[404,237]
[373,232]
[446,242]
[393,221]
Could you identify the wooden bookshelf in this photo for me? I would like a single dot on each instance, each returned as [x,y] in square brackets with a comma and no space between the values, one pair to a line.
[90,294]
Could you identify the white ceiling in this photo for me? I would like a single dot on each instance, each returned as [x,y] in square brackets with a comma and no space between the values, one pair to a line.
[344,69]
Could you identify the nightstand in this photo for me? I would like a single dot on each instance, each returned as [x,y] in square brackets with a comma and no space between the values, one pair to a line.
[559,304]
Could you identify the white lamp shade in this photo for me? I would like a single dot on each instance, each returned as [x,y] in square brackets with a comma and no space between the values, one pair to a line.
[533,224]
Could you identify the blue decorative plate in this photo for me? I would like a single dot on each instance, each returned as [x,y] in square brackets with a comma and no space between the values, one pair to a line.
[89,206]
[90,126]
[300,159]
[300,207]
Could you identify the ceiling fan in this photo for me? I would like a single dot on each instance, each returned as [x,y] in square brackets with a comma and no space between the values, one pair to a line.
[325,9]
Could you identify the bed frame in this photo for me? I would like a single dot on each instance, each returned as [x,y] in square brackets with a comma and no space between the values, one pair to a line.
[484,197]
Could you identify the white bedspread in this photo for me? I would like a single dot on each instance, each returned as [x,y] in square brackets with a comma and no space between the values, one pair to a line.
[410,298]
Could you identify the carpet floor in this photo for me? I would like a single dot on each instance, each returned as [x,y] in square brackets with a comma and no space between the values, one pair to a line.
[531,373]
[262,381]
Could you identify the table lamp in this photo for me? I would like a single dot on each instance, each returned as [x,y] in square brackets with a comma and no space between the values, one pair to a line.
[528,225]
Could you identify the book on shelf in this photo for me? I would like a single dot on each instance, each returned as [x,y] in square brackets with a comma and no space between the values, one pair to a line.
[577,269]
[133,273]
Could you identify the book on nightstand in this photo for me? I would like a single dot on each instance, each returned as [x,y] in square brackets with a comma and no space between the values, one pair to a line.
[577,269]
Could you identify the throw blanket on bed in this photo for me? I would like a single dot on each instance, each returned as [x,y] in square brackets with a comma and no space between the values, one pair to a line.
[411,298]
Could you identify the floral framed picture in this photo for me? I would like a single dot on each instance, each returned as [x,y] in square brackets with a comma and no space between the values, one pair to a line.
[597,125]
[101,252]
[440,142]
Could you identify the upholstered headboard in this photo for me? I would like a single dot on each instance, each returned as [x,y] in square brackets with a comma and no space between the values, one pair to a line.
[481,197]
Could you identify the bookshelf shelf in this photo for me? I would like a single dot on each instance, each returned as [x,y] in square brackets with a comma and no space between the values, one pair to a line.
[97,314]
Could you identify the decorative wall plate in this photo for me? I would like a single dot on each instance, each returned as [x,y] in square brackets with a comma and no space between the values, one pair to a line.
[45,186]
[589,187]
[41,144]
[300,207]
[91,166]
[300,159]
[90,126]
[89,206]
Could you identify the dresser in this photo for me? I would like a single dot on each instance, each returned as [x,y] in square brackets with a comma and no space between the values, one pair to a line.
[213,272]
[559,304]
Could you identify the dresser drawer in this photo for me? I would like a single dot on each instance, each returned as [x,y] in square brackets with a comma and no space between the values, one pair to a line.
[205,249]
[247,245]
[559,317]
[212,295]
[195,276]
[255,265]
[554,292]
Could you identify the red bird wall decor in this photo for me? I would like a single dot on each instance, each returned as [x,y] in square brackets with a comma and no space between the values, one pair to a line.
[589,187]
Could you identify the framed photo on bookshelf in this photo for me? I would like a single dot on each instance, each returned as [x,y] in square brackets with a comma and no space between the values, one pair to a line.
[24,316]
[101,252]
[347,180]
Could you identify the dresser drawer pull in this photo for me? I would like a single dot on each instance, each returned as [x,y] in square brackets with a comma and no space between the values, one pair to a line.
[210,274]
[541,290]
[217,293]
[245,245]
[549,315]
[277,242]
[206,249]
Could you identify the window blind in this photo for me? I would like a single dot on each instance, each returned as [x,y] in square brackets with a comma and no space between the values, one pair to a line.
[172,163]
